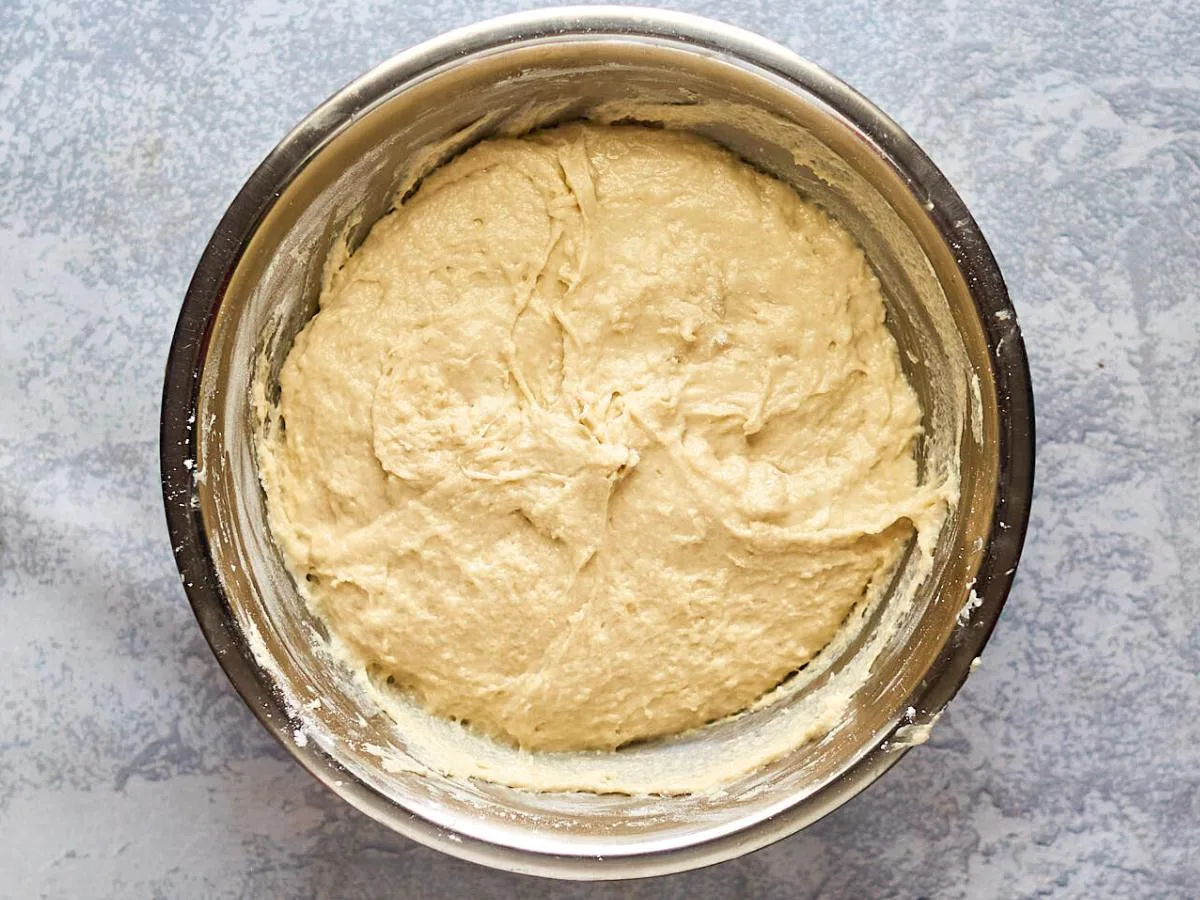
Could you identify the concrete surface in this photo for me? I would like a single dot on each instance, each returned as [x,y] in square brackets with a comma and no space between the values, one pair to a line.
[1067,767]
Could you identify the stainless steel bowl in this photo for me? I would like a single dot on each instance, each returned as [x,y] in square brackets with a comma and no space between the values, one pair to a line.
[342,167]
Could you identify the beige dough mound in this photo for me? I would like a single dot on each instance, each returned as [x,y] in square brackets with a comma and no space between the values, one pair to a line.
[598,437]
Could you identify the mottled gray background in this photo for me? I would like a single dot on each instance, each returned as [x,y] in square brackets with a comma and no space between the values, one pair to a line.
[1067,767]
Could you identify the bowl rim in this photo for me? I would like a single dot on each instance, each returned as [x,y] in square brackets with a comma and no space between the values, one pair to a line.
[189,347]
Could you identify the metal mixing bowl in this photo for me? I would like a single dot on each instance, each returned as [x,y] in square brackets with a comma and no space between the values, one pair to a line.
[341,169]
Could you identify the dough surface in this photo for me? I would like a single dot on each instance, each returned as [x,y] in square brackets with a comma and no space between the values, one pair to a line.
[598,437]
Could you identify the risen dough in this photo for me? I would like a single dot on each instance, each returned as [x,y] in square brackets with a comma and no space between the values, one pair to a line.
[598,437]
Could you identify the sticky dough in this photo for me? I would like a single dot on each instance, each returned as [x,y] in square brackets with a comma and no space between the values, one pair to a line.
[598,437]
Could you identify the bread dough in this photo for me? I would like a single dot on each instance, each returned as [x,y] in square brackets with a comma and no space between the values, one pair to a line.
[598,437]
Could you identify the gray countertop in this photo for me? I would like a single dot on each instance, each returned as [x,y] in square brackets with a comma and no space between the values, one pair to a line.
[1069,765]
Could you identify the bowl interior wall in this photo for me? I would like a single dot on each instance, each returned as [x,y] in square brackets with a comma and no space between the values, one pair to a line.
[357,176]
